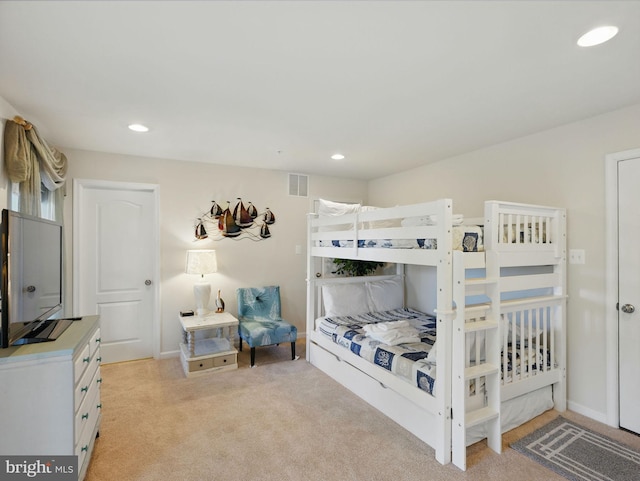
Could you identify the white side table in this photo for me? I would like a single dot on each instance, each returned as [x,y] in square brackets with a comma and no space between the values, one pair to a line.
[212,353]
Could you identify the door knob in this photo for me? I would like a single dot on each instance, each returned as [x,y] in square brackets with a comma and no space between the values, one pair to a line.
[628,308]
[147,282]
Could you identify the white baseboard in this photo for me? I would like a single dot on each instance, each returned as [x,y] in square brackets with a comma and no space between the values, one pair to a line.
[588,412]
[170,354]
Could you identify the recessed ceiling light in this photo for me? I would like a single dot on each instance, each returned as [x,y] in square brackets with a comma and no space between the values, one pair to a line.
[337,156]
[597,36]
[139,128]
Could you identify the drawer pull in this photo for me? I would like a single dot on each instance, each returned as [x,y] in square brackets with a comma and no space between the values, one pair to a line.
[99,380]
[99,406]
[84,389]
[85,416]
[98,340]
[86,359]
[99,359]
[85,448]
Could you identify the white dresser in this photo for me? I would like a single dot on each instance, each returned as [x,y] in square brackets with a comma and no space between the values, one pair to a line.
[50,396]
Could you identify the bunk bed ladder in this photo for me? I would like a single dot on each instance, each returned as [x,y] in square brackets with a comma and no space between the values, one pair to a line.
[476,355]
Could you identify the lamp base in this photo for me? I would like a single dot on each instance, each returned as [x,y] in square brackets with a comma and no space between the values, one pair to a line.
[202,294]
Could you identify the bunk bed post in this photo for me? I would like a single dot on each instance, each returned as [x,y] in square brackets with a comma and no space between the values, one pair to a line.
[491,225]
[444,320]
[493,348]
[559,313]
[311,285]
[458,365]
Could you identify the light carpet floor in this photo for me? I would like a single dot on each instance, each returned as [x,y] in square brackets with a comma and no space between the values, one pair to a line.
[282,420]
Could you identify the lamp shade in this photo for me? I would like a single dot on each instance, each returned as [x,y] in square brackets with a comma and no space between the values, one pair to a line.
[201,262]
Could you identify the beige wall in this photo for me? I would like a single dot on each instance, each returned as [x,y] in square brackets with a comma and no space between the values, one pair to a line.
[186,189]
[560,167]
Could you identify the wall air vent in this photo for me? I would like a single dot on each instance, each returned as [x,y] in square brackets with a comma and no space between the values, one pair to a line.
[299,185]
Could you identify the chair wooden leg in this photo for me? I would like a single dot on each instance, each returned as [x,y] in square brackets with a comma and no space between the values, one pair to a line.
[253,356]
[293,351]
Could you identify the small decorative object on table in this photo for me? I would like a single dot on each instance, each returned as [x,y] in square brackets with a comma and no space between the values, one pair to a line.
[219,303]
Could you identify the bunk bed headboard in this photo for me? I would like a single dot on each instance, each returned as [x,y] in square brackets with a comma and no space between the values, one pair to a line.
[509,225]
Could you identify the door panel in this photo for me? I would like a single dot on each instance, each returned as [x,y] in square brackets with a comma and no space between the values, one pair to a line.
[115,248]
[629,292]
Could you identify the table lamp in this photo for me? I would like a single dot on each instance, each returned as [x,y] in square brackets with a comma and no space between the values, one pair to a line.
[201,262]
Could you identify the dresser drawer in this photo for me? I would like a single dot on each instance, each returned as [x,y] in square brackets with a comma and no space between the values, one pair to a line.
[229,359]
[85,416]
[81,363]
[94,343]
[85,425]
[82,388]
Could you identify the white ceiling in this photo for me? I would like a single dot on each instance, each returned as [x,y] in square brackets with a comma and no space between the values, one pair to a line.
[284,85]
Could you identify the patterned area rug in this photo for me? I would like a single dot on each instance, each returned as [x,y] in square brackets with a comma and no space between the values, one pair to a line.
[579,454]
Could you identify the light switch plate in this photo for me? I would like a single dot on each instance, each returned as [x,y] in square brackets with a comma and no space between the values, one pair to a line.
[577,256]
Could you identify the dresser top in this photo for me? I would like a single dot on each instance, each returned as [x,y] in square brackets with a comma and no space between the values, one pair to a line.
[77,333]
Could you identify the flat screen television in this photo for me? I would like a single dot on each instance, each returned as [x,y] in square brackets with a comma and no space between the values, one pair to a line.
[31,282]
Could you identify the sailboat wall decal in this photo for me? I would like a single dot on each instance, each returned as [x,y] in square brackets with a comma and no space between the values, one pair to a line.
[227,224]
[241,215]
[201,232]
[215,211]
[269,217]
[251,209]
[243,222]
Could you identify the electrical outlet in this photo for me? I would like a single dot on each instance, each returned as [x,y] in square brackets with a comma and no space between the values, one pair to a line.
[576,256]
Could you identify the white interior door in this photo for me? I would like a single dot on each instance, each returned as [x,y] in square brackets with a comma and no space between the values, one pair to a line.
[116,264]
[629,292]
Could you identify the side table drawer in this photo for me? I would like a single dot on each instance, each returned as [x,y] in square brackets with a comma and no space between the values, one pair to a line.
[200,365]
[228,359]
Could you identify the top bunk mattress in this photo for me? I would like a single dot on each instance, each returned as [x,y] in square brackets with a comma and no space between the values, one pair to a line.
[401,341]
[465,238]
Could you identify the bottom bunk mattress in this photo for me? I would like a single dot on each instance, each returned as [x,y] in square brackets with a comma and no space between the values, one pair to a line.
[401,341]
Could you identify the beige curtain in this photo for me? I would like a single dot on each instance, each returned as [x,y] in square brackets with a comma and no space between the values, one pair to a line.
[32,162]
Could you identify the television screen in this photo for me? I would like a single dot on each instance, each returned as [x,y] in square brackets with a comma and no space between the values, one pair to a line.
[31,286]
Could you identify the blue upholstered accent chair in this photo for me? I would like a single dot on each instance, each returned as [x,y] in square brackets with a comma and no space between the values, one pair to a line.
[260,321]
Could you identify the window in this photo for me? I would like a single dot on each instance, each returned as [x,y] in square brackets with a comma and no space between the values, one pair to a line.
[47,201]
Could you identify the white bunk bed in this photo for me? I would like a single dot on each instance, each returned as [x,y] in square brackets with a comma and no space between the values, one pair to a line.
[499,316]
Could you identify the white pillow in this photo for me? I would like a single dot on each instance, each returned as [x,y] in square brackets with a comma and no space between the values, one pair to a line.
[327,207]
[386,295]
[345,299]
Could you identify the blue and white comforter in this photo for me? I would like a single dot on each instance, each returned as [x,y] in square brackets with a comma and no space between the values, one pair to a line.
[413,362]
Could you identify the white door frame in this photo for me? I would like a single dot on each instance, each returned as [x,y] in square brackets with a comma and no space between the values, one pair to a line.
[79,185]
[611,297]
